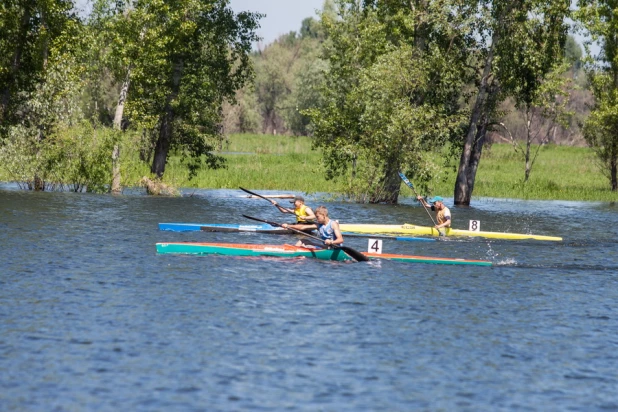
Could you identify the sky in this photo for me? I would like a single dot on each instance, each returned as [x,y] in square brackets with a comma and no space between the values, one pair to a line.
[282,16]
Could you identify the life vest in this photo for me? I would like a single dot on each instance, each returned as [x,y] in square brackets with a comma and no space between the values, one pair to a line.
[300,213]
[443,216]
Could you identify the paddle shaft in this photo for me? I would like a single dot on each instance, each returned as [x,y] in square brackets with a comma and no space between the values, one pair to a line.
[258,195]
[411,186]
[281,208]
[352,252]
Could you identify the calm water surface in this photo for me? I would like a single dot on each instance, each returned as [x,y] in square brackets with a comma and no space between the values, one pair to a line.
[91,318]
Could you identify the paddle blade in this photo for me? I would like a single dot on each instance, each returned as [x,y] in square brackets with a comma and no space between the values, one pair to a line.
[406,180]
[354,254]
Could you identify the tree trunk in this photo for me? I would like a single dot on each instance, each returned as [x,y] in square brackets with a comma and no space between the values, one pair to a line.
[614,173]
[167,119]
[527,153]
[390,183]
[121,100]
[475,136]
[116,177]
[116,187]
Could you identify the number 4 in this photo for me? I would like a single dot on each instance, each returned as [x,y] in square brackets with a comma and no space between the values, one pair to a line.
[374,246]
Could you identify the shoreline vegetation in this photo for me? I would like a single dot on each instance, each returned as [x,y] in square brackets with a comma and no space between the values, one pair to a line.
[267,162]
[288,163]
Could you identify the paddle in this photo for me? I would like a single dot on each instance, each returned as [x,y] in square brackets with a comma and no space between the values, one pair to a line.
[258,195]
[281,208]
[356,255]
[411,186]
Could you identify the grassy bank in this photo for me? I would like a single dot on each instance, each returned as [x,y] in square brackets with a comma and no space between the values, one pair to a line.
[288,163]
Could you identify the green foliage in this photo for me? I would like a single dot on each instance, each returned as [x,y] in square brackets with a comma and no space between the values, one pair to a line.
[77,158]
[288,73]
[183,59]
[32,35]
[392,92]
[599,18]
[81,157]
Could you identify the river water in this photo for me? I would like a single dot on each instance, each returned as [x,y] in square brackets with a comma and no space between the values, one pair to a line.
[92,319]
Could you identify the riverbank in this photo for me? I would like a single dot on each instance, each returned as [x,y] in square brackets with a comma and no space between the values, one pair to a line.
[288,163]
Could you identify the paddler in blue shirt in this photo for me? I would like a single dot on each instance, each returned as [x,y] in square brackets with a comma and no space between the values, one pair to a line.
[305,217]
[328,230]
[443,214]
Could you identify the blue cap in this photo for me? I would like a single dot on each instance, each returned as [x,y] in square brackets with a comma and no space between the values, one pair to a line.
[436,199]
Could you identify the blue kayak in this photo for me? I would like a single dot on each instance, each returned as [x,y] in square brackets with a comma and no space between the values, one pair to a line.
[266,228]
[222,227]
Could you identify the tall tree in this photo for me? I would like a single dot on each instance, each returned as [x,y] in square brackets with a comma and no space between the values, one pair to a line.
[519,42]
[600,19]
[31,32]
[183,59]
[395,79]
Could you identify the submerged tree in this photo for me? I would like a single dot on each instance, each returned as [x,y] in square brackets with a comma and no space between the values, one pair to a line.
[519,44]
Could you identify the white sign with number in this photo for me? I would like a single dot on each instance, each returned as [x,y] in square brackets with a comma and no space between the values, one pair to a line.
[374,246]
[475,226]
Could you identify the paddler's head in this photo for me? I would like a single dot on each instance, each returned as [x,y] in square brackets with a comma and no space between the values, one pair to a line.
[321,215]
[438,202]
[298,201]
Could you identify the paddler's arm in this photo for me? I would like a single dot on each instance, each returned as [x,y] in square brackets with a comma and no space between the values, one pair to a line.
[282,209]
[445,224]
[423,202]
[310,217]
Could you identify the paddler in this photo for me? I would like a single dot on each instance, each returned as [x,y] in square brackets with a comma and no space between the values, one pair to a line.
[328,230]
[305,217]
[443,214]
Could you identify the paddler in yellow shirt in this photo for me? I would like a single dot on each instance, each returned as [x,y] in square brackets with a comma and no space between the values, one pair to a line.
[443,214]
[305,218]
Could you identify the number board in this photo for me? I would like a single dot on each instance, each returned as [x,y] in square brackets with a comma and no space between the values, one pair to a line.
[374,246]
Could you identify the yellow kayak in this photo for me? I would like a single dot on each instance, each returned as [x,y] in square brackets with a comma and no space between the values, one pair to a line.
[410,229]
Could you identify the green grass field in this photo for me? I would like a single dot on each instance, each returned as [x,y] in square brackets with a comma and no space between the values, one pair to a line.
[288,163]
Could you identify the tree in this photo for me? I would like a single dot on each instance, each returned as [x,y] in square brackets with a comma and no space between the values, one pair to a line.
[519,41]
[392,92]
[183,59]
[599,18]
[40,74]
[542,114]
[31,33]
[275,67]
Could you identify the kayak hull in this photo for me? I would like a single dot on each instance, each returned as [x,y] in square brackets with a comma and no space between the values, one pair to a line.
[408,229]
[241,249]
[288,251]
